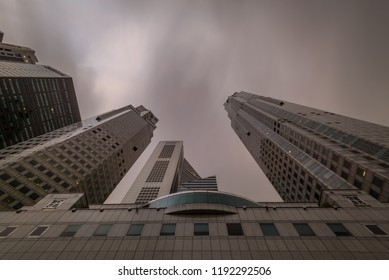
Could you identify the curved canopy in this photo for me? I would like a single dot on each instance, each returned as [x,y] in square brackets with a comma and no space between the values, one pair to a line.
[192,197]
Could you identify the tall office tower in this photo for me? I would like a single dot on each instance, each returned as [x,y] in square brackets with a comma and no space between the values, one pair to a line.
[34,99]
[164,173]
[91,156]
[304,151]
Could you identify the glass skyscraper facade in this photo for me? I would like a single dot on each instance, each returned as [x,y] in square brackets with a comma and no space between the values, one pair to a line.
[34,99]
[304,151]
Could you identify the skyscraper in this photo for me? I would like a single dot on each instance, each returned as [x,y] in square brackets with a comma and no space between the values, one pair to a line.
[16,53]
[304,151]
[91,156]
[166,172]
[34,99]
[196,222]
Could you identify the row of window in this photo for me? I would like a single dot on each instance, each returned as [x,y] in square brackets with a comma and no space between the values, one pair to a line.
[38,140]
[233,229]
[80,160]
[283,173]
[300,141]
[332,133]
[167,151]
[271,154]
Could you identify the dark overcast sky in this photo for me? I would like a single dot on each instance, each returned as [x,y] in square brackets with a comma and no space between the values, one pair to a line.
[182,59]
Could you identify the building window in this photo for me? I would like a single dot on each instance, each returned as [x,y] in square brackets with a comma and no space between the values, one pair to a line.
[347,164]
[201,229]
[167,151]
[135,230]
[158,172]
[102,230]
[356,200]
[147,194]
[70,230]
[8,200]
[234,229]
[375,229]
[361,172]
[24,190]
[7,231]
[20,169]
[38,231]
[5,176]
[344,175]
[168,229]
[374,194]
[269,229]
[34,196]
[358,184]
[304,229]
[339,229]
[14,183]
[378,182]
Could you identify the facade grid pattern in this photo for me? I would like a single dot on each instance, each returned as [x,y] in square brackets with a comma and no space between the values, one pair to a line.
[147,194]
[277,231]
[158,172]
[66,161]
[167,151]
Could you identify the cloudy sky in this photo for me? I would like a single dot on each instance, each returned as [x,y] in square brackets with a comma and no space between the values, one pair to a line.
[182,59]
